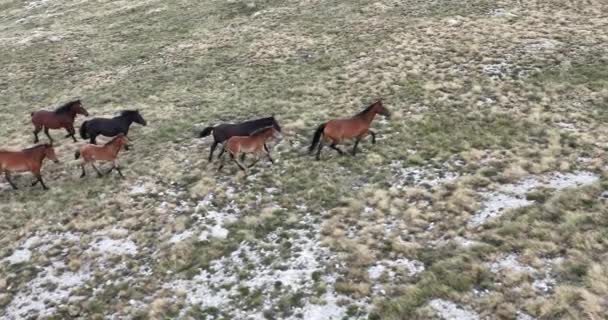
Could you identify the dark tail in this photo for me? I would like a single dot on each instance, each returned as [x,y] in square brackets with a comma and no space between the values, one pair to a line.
[31,114]
[77,155]
[317,137]
[83,130]
[207,131]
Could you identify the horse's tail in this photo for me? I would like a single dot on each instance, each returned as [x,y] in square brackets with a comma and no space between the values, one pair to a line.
[207,131]
[83,130]
[77,154]
[317,137]
[32,114]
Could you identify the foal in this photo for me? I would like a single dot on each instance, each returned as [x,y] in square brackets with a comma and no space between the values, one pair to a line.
[224,131]
[356,127]
[254,144]
[26,160]
[108,152]
[62,117]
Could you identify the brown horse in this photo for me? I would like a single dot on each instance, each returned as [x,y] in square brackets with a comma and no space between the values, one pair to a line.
[255,144]
[356,127]
[62,117]
[108,152]
[26,160]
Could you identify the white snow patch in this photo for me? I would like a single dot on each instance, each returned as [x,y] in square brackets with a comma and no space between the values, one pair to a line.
[113,247]
[411,176]
[19,256]
[181,236]
[524,316]
[512,196]
[54,284]
[412,267]
[448,310]
[510,263]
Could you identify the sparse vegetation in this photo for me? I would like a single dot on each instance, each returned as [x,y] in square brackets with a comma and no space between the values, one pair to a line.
[454,209]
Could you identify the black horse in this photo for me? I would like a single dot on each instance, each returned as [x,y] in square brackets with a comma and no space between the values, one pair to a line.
[224,131]
[110,127]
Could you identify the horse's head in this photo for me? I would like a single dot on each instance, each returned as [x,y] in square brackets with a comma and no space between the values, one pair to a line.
[122,141]
[49,152]
[77,108]
[135,116]
[275,124]
[380,109]
[276,133]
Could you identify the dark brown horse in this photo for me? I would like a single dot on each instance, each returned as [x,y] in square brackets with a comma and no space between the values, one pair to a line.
[356,127]
[26,160]
[62,117]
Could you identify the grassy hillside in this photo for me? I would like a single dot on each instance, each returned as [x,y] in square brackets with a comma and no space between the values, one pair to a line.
[484,196]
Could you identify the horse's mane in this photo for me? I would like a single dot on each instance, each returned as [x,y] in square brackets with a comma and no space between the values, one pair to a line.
[366,110]
[45,145]
[112,141]
[128,112]
[66,107]
[260,131]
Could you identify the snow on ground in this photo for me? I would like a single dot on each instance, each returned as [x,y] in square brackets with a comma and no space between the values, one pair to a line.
[52,285]
[544,280]
[413,267]
[513,196]
[267,268]
[39,243]
[410,176]
[448,310]
[108,246]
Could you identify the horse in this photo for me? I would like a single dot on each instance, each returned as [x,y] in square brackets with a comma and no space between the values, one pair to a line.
[62,117]
[90,129]
[356,127]
[254,144]
[224,131]
[26,160]
[108,152]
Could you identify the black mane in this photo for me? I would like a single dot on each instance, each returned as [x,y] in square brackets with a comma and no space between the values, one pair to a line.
[128,113]
[45,145]
[366,110]
[66,107]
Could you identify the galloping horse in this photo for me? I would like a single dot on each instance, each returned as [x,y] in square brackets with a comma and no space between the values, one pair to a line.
[110,127]
[224,131]
[108,152]
[254,144]
[26,160]
[62,117]
[355,127]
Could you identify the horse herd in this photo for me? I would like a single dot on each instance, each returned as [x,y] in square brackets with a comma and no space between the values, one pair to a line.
[237,139]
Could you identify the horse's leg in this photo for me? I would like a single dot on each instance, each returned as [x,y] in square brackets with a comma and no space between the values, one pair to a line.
[213,146]
[46,131]
[221,153]
[373,134]
[267,152]
[83,174]
[8,178]
[321,144]
[72,133]
[355,146]
[243,156]
[333,146]
[39,177]
[93,139]
[119,172]
[37,130]
[255,160]
[221,163]
[99,174]
[236,159]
